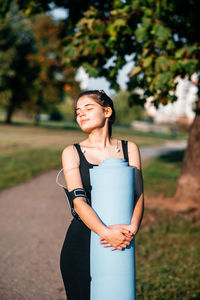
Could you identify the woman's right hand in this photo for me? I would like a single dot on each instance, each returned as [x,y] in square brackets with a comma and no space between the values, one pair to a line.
[116,237]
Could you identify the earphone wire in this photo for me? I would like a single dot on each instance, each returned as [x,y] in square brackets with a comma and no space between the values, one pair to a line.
[57,177]
[58,183]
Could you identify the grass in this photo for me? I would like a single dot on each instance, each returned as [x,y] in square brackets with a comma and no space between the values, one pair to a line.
[25,165]
[27,150]
[161,174]
[167,246]
[167,259]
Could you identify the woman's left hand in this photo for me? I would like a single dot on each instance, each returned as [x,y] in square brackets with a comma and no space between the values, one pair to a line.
[129,237]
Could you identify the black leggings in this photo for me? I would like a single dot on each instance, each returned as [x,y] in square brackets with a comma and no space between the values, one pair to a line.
[75,261]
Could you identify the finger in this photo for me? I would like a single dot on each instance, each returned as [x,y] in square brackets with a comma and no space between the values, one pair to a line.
[129,234]
[104,242]
[125,231]
[114,249]
[129,239]
[107,245]
[119,248]
[125,244]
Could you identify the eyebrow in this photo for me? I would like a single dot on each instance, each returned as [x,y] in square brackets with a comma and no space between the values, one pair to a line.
[84,106]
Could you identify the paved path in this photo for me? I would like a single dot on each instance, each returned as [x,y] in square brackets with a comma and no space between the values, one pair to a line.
[148,153]
[33,221]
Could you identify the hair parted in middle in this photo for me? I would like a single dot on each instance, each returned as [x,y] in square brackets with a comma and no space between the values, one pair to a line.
[101,98]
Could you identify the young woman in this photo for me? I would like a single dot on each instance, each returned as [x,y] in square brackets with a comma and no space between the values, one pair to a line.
[95,114]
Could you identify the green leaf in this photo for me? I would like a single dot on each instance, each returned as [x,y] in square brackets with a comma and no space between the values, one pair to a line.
[180,53]
[120,22]
[161,32]
[190,65]
[147,61]
[141,34]
[99,28]
[70,51]
[92,71]
[163,81]
[162,63]
[111,30]
[135,70]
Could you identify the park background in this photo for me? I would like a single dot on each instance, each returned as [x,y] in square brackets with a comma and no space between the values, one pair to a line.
[41,52]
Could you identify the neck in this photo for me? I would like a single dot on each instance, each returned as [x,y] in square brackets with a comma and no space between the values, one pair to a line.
[99,137]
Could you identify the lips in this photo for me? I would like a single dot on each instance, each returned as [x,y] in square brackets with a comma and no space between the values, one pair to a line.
[84,121]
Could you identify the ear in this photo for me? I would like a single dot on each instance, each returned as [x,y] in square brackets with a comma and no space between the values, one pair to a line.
[107,111]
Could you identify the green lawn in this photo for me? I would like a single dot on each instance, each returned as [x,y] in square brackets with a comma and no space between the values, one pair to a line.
[161,174]
[168,258]
[167,245]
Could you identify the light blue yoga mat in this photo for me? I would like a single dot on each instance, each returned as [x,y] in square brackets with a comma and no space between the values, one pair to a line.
[112,272]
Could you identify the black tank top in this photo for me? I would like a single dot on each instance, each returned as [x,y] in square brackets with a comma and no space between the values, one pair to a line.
[85,166]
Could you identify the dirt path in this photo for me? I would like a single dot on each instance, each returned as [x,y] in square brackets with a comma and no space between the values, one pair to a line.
[33,221]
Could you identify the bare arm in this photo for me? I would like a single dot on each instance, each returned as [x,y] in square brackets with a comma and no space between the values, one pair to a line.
[115,236]
[135,161]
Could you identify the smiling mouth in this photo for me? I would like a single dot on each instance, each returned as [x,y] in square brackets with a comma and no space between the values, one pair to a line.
[84,121]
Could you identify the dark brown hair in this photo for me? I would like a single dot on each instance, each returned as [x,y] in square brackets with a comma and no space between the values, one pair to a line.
[101,98]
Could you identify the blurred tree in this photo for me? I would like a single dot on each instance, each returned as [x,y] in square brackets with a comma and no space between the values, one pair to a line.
[76,8]
[164,41]
[124,113]
[55,79]
[48,86]
[32,73]
[16,75]
[28,6]
[66,108]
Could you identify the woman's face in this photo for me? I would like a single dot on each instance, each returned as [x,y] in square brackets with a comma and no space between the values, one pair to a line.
[90,114]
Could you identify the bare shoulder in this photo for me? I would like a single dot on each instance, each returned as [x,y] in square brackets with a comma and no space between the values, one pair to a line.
[70,155]
[134,154]
[133,146]
[68,150]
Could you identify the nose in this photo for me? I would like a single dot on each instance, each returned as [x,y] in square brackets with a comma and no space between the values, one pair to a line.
[81,113]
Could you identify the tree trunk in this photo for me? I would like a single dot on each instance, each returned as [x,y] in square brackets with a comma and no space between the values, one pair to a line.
[37,119]
[9,114]
[188,188]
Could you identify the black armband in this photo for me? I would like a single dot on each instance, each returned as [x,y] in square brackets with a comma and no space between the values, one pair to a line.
[79,192]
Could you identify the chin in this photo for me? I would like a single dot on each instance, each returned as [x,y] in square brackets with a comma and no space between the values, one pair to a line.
[86,129]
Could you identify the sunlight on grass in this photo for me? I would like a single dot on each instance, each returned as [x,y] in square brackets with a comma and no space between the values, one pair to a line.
[167,256]
[161,174]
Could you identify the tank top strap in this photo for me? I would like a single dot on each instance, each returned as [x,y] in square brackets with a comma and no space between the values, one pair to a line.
[125,149]
[80,153]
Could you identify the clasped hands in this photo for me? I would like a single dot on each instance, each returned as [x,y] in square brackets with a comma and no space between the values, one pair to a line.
[118,236]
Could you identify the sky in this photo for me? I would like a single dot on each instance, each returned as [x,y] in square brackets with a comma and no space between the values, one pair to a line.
[99,83]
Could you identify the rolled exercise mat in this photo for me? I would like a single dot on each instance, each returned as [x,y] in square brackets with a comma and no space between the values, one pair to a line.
[112,197]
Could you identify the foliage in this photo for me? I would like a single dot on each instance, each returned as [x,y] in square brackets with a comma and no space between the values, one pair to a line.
[162,35]
[75,8]
[124,113]
[28,6]
[33,75]
[55,80]
[48,86]
[66,108]
[16,75]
